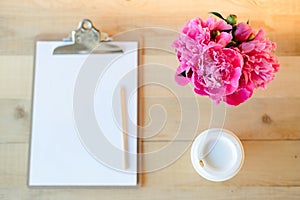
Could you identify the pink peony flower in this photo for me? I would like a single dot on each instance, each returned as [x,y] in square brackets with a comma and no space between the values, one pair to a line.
[214,24]
[188,52]
[224,64]
[194,30]
[260,64]
[243,92]
[243,32]
[217,72]
[223,39]
[195,35]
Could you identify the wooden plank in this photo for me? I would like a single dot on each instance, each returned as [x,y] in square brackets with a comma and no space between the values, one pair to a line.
[17,72]
[271,169]
[203,192]
[15,118]
[258,119]
[267,163]
[285,84]
[22,21]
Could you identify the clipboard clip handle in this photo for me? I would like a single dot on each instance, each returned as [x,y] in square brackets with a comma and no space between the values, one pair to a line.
[88,40]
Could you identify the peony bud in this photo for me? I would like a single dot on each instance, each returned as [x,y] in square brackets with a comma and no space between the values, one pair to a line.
[231,19]
[243,32]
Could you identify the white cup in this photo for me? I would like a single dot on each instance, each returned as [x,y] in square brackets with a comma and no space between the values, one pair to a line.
[217,154]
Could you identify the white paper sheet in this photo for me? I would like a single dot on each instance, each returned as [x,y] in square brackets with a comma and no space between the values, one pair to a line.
[76,121]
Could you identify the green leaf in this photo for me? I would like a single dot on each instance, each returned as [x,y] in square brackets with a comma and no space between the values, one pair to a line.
[218,15]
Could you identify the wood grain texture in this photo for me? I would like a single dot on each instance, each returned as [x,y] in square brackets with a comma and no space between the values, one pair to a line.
[210,192]
[15,118]
[17,77]
[22,21]
[258,119]
[261,169]
[273,163]
[285,84]
[268,124]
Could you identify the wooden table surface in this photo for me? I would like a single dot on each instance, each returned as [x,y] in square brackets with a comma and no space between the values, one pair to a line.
[268,124]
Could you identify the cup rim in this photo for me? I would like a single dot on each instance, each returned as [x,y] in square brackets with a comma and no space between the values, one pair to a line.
[235,145]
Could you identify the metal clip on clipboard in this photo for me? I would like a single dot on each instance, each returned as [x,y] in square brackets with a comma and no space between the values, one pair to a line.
[88,40]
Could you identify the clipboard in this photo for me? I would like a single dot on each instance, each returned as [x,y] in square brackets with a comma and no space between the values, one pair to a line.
[84,111]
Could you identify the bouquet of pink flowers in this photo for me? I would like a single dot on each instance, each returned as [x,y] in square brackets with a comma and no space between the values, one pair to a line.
[223,59]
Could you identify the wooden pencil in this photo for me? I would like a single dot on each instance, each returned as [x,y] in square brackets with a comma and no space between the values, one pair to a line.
[124,127]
